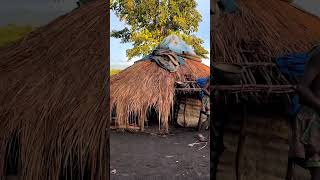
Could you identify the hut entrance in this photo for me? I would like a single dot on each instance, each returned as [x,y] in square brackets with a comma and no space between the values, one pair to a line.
[152,119]
[13,156]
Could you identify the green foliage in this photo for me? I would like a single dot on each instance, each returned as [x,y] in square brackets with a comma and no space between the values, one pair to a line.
[152,20]
[12,33]
[114,71]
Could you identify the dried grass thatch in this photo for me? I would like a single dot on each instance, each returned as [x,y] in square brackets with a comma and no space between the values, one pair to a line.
[262,31]
[145,85]
[53,97]
[255,36]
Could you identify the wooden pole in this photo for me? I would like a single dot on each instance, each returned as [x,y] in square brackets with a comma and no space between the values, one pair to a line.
[215,146]
[215,27]
[241,141]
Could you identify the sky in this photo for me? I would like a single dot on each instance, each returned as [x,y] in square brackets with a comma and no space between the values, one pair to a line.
[35,12]
[118,59]
[311,6]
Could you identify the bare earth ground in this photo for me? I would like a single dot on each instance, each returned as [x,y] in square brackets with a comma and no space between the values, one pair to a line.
[150,156]
[142,156]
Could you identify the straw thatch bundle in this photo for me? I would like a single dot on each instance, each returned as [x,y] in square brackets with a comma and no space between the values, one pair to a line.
[145,85]
[262,31]
[53,98]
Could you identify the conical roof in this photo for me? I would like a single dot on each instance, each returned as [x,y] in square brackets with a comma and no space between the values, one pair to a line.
[53,97]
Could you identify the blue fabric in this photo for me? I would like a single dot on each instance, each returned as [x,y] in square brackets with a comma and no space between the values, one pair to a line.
[295,106]
[202,83]
[293,65]
[181,60]
[229,5]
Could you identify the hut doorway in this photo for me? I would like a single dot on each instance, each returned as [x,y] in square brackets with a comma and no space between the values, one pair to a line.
[152,119]
[13,157]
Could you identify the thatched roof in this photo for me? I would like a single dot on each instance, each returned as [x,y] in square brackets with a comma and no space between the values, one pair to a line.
[265,28]
[145,85]
[53,96]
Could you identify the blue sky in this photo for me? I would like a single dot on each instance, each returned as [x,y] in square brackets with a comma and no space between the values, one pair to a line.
[118,57]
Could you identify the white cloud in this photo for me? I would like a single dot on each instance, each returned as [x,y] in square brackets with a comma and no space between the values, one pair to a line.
[207,61]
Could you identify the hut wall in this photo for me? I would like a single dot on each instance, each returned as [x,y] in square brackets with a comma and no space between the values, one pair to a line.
[189,112]
[265,150]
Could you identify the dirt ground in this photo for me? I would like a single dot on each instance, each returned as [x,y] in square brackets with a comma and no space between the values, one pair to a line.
[265,153]
[151,156]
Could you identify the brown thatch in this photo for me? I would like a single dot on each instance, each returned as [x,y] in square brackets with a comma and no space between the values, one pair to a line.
[255,36]
[145,85]
[264,30]
[53,98]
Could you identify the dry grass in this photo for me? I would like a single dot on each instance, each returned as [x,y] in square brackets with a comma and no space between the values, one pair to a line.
[53,96]
[266,28]
[12,33]
[144,85]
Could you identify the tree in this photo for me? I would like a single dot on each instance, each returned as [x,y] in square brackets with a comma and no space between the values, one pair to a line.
[149,21]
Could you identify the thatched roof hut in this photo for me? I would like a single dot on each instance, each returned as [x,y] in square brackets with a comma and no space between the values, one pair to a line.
[53,98]
[145,85]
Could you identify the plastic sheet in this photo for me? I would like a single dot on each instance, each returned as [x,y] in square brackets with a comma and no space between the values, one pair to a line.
[177,45]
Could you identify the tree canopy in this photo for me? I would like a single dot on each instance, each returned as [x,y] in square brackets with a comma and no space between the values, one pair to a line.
[150,21]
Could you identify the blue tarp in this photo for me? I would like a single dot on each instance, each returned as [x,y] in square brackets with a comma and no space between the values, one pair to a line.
[170,44]
[229,6]
[181,60]
[293,65]
[160,60]
[202,83]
